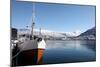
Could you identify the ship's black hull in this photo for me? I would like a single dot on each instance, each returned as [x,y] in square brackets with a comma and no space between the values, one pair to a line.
[28,57]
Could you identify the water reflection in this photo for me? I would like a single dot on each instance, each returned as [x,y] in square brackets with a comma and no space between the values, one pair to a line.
[76,44]
[90,44]
[69,51]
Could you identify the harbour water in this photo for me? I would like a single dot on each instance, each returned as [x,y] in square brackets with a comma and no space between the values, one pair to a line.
[69,51]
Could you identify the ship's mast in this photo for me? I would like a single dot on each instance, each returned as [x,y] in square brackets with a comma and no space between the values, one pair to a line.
[32,32]
[40,32]
[33,23]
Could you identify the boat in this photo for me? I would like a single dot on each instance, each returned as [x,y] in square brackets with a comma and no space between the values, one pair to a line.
[30,49]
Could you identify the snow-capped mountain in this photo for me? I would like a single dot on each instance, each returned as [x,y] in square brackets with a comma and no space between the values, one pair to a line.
[89,34]
[73,34]
[44,32]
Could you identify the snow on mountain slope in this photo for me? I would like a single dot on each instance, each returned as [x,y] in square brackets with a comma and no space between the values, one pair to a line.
[49,33]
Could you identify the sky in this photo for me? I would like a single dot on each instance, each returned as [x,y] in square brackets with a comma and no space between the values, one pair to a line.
[53,17]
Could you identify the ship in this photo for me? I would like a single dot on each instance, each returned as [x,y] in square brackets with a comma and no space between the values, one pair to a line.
[28,50]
